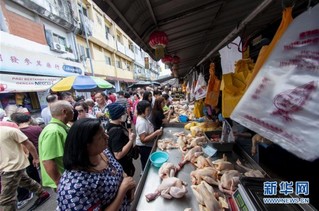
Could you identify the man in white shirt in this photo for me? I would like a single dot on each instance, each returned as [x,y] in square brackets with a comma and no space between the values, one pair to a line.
[45,113]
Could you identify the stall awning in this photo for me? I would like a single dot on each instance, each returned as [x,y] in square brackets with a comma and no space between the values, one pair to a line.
[23,83]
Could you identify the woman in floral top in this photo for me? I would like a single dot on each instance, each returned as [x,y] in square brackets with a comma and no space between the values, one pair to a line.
[93,179]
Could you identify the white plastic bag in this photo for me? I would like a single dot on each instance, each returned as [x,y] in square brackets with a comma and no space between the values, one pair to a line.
[282,103]
[200,88]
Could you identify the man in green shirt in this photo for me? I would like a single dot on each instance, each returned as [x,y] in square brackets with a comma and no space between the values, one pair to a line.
[51,143]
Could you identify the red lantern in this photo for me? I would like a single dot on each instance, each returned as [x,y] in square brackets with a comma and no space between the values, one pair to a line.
[176,60]
[167,59]
[158,41]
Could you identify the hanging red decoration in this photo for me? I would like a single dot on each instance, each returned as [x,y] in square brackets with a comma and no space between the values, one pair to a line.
[158,41]
[176,60]
[167,59]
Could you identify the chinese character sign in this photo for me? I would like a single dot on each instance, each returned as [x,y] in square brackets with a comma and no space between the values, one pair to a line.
[23,61]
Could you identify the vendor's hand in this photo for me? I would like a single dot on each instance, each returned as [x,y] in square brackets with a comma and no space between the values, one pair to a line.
[159,132]
[128,183]
[132,137]
[35,162]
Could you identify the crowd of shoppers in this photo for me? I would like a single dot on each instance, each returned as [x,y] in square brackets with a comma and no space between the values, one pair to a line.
[85,151]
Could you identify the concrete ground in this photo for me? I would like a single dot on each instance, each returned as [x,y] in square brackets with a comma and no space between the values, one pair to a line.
[51,204]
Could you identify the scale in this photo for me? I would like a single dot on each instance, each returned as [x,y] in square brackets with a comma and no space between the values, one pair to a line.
[241,201]
[249,197]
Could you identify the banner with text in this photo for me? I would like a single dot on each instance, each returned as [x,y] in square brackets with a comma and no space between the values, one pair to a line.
[15,60]
[22,83]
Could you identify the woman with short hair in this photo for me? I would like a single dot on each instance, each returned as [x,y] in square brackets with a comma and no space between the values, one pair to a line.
[83,110]
[93,178]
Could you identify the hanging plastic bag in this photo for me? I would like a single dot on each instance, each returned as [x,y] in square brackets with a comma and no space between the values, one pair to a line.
[193,85]
[281,104]
[200,88]
[198,108]
[213,88]
[266,50]
[235,85]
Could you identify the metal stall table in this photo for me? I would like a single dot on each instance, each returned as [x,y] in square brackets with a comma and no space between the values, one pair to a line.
[150,179]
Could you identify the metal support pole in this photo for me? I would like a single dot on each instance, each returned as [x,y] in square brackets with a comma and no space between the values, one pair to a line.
[86,38]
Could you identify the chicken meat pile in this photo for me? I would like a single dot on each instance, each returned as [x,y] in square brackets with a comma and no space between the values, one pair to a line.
[220,173]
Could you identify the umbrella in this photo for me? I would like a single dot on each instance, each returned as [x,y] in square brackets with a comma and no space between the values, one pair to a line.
[81,83]
[144,83]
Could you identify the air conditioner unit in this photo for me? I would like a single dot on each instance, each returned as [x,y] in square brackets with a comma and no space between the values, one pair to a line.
[58,47]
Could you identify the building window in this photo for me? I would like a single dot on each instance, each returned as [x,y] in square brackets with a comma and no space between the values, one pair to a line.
[87,52]
[131,46]
[59,39]
[118,64]
[85,12]
[108,60]
[98,19]
[118,37]
[107,31]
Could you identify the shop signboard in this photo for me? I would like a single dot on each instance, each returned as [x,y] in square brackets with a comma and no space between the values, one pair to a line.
[23,83]
[15,60]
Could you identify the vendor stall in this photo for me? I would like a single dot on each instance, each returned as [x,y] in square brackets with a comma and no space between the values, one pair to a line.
[151,180]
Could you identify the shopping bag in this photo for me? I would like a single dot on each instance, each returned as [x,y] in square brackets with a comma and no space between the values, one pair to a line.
[198,108]
[200,89]
[235,85]
[213,88]
[266,50]
[193,85]
[281,104]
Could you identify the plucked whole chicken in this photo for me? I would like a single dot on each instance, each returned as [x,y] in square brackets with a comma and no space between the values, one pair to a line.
[168,170]
[191,155]
[171,187]
[229,181]
[207,174]
[206,198]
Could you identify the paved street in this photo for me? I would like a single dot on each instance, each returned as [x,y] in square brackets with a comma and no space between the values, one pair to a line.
[50,205]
